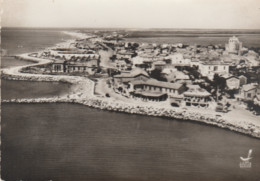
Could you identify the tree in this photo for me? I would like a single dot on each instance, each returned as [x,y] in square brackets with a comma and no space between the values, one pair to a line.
[157,74]
[219,82]
[113,57]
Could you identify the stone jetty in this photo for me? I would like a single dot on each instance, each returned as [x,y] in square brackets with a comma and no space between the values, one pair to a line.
[83,93]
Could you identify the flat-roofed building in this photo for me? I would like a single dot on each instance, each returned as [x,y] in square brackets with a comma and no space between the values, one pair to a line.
[178,59]
[210,68]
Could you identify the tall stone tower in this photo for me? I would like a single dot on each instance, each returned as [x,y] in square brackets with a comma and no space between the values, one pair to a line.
[234,46]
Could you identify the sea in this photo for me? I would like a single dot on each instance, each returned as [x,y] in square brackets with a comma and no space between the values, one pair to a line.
[249,38]
[72,142]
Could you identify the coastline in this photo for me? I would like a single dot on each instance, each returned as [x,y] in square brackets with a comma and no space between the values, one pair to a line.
[83,93]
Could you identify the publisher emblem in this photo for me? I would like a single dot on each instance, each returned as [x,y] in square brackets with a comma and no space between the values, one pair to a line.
[245,162]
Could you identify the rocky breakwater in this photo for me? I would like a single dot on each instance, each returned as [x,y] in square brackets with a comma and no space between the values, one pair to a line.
[176,113]
[83,93]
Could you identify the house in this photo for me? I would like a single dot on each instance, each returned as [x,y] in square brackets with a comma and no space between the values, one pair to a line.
[248,92]
[257,100]
[72,54]
[88,65]
[156,88]
[59,66]
[158,65]
[176,76]
[124,55]
[210,68]
[242,80]
[121,64]
[141,62]
[178,59]
[148,48]
[165,48]
[149,57]
[137,61]
[135,74]
[252,58]
[196,96]
[89,45]
[232,82]
[168,70]
[149,95]
[194,62]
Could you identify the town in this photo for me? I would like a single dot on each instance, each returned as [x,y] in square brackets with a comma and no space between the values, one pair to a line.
[214,77]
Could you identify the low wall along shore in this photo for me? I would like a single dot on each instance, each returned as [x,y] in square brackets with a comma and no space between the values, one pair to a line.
[83,93]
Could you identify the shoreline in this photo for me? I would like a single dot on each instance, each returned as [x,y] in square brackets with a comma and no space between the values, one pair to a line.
[129,108]
[83,93]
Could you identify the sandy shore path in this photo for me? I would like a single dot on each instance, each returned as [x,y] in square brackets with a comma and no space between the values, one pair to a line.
[16,70]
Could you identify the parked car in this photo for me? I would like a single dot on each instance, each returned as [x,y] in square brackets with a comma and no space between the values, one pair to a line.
[221,108]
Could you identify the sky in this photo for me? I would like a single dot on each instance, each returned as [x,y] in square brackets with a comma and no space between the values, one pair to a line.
[202,14]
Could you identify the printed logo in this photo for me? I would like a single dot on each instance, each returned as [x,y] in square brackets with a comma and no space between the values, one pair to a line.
[245,162]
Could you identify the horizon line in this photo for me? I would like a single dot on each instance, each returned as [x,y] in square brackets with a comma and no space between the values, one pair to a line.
[35,27]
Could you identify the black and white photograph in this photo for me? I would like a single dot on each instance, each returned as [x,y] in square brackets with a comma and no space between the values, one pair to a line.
[130,90]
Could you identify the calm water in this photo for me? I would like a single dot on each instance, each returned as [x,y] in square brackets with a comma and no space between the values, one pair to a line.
[74,142]
[70,142]
[11,61]
[26,89]
[18,40]
[248,40]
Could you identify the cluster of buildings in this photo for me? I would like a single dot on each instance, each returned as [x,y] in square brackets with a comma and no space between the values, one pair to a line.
[137,61]
[210,60]
[138,83]
[137,64]
[79,57]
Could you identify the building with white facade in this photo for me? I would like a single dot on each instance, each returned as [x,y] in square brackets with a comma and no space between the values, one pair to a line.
[179,60]
[210,68]
[234,46]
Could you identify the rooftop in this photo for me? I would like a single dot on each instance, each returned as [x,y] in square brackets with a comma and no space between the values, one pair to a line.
[229,77]
[159,63]
[214,63]
[150,93]
[249,87]
[193,86]
[133,73]
[156,83]
[199,92]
